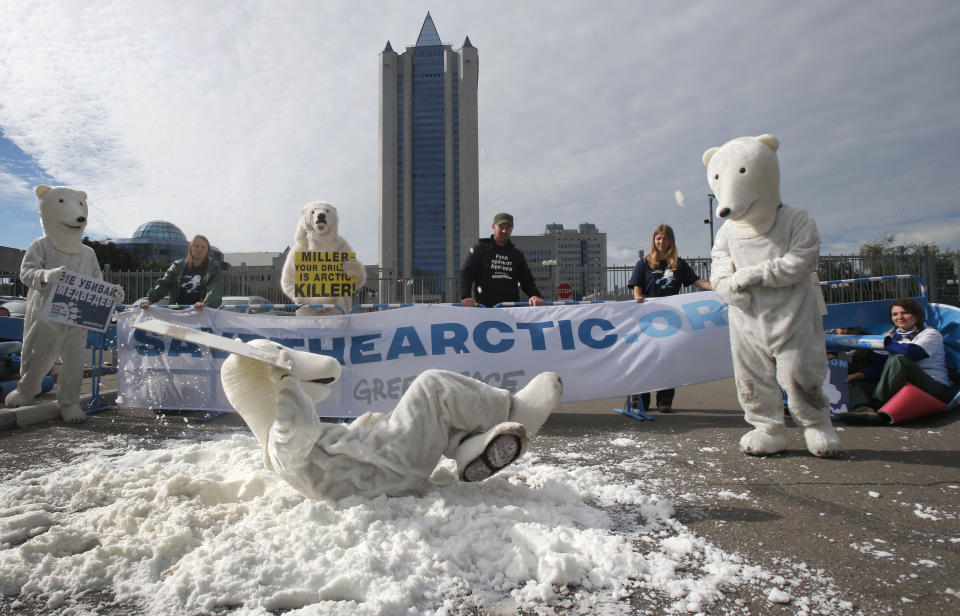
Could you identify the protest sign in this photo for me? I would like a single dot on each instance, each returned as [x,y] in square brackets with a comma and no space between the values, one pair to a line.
[600,350]
[835,386]
[320,274]
[81,301]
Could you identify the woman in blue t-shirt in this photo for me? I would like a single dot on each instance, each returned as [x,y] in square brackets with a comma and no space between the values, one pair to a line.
[661,274]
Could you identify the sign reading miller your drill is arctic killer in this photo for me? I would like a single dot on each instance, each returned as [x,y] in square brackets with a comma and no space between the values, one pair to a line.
[320,274]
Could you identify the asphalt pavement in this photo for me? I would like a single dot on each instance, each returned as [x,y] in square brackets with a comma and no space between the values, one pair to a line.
[880,519]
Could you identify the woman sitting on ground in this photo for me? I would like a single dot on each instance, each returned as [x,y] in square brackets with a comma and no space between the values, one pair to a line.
[913,353]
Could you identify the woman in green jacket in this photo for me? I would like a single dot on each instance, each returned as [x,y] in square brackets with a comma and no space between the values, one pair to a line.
[196,280]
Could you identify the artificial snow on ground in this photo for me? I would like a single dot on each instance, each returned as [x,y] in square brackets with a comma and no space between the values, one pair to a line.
[202,527]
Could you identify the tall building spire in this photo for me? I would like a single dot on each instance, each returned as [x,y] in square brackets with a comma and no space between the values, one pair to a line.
[428,33]
[430,218]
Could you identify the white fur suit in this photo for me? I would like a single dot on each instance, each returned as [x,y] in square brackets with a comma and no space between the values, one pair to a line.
[764,265]
[318,230]
[63,213]
[442,413]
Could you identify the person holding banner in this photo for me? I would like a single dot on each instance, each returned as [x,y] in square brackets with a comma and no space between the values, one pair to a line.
[913,353]
[50,260]
[196,280]
[661,274]
[495,270]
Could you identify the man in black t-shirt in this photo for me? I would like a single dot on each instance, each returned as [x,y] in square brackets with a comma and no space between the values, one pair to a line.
[495,270]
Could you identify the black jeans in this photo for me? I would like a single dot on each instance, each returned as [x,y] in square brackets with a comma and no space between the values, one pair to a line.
[664,398]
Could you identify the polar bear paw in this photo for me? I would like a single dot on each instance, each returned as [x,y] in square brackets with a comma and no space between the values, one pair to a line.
[533,404]
[759,442]
[353,268]
[73,413]
[739,299]
[822,440]
[17,398]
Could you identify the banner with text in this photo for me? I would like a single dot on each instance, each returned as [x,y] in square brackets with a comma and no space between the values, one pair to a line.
[81,301]
[320,274]
[600,350]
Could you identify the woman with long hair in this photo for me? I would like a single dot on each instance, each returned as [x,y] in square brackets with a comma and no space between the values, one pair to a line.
[663,273]
[913,353]
[196,280]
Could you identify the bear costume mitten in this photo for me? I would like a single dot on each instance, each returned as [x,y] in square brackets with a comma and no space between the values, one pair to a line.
[55,275]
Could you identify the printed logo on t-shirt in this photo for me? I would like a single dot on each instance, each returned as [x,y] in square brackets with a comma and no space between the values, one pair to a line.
[665,283]
[501,266]
[191,285]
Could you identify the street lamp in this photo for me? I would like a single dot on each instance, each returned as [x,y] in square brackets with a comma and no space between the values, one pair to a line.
[596,280]
[709,221]
[550,264]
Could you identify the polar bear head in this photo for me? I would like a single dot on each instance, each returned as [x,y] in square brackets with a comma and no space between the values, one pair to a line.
[252,386]
[318,220]
[63,216]
[744,174]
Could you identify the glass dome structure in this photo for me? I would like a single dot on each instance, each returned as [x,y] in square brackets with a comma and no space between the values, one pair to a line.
[162,241]
[159,230]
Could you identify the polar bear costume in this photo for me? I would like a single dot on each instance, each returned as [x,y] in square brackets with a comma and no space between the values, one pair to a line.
[442,413]
[63,216]
[317,230]
[764,265]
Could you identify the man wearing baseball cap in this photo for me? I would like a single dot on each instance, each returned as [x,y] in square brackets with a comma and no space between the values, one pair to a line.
[495,270]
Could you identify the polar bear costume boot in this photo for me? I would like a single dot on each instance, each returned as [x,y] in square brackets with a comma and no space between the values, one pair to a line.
[63,216]
[441,413]
[764,265]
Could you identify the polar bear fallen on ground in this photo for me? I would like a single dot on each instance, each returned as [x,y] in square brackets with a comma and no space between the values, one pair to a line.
[441,414]
[317,230]
[63,216]
[764,265]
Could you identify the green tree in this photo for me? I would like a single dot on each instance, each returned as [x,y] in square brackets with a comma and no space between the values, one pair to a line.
[120,259]
[938,268]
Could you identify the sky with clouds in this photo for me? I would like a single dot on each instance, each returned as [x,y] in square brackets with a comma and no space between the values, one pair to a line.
[225,117]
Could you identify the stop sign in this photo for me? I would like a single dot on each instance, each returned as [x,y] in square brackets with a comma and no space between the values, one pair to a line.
[564,290]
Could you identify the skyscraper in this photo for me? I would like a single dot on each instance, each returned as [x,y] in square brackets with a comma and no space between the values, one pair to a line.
[429,167]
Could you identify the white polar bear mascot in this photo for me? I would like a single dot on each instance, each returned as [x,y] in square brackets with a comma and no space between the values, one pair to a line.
[764,265]
[63,216]
[442,413]
[317,231]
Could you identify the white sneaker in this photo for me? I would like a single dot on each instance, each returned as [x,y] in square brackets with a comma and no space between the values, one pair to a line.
[533,404]
[481,455]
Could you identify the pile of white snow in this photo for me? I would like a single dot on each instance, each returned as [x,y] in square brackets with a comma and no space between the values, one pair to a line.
[199,527]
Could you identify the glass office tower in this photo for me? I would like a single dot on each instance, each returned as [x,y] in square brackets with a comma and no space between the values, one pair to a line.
[429,171]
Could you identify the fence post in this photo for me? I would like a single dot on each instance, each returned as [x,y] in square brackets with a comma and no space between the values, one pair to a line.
[929,269]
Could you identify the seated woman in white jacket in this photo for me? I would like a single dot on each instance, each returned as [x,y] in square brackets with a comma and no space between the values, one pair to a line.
[913,353]
[441,414]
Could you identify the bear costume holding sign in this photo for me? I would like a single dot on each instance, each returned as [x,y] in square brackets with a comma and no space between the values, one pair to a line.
[63,216]
[317,231]
[764,264]
[275,389]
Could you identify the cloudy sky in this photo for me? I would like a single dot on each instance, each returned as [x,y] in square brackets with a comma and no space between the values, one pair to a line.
[225,117]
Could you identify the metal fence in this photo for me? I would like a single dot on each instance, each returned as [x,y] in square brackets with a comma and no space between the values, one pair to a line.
[940,274]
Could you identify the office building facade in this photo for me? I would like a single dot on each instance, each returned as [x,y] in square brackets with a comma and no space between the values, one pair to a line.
[580,257]
[429,163]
